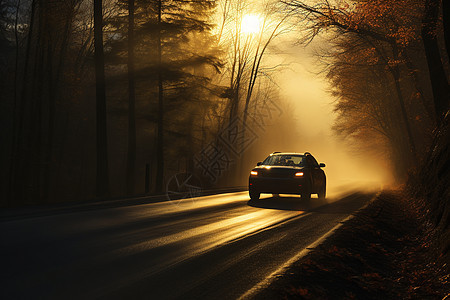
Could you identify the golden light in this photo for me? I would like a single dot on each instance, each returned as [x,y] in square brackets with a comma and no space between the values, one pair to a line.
[299,174]
[253,173]
[251,23]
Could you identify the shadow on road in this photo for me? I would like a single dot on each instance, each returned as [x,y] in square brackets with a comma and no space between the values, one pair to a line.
[285,203]
[345,205]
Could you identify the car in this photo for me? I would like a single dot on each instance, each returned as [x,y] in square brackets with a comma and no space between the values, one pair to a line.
[288,173]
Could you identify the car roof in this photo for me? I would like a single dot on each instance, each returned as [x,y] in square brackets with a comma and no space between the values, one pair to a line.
[290,153]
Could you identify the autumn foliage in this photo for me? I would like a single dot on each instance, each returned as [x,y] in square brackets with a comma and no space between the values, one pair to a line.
[378,68]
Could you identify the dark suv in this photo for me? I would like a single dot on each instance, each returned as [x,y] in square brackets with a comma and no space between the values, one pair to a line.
[288,173]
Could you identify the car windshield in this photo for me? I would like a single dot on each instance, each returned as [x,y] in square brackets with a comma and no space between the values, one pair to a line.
[284,160]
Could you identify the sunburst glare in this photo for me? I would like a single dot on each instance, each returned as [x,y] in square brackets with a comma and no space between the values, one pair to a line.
[251,23]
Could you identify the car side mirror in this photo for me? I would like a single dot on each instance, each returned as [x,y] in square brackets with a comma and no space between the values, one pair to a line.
[322,165]
[259,163]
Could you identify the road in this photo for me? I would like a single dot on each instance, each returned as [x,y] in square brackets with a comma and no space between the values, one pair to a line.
[213,247]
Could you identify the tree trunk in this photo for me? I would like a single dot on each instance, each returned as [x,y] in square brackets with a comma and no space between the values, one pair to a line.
[16,108]
[439,83]
[160,137]
[131,154]
[446,21]
[18,172]
[395,70]
[30,156]
[16,67]
[59,55]
[34,152]
[102,182]
[427,104]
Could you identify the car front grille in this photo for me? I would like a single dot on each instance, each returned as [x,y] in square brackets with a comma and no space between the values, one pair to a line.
[278,173]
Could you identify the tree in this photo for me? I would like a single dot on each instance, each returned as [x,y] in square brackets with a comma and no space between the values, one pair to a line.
[246,50]
[439,82]
[175,49]
[160,134]
[39,65]
[446,23]
[364,90]
[269,31]
[131,153]
[102,189]
[388,30]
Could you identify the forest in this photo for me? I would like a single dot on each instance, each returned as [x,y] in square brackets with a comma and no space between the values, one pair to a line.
[104,99]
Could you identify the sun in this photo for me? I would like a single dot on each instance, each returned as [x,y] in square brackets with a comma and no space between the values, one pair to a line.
[251,23]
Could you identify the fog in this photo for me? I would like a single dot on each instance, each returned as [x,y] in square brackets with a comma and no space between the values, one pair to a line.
[213,103]
[306,120]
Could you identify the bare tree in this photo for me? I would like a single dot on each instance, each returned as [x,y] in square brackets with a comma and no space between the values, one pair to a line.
[246,50]
[271,31]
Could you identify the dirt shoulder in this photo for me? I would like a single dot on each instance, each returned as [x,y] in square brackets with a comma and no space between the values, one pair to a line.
[385,251]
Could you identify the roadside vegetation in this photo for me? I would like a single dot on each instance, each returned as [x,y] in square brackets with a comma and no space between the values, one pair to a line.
[388,251]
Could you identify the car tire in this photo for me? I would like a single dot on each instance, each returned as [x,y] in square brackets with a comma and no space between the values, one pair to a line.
[254,195]
[306,192]
[323,193]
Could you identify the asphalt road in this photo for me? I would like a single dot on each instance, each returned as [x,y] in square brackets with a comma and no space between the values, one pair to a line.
[213,247]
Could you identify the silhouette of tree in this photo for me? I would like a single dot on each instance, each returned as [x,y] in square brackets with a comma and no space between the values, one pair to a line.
[390,35]
[173,44]
[102,144]
[245,50]
[131,153]
[35,98]
[439,82]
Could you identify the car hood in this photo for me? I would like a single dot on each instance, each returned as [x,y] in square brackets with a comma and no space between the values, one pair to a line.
[278,168]
[277,171]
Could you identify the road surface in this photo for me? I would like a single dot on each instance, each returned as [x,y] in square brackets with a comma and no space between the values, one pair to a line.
[213,247]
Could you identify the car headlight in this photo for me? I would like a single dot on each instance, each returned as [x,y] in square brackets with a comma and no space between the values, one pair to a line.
[299,174]
[254,173]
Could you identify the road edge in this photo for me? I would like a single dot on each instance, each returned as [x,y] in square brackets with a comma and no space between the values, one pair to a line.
[10,214]
[281,270]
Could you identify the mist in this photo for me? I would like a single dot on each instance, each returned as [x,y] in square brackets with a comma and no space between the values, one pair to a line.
[306,121]
[221,86]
